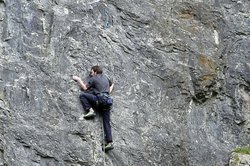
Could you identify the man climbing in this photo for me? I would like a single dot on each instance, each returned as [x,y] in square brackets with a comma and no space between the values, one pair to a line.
[99,99]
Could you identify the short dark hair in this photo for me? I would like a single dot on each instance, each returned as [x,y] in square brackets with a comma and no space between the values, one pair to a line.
[97,69]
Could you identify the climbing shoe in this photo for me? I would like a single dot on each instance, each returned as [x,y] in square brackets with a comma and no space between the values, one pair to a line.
[81,117]
[90,114]
[108,146]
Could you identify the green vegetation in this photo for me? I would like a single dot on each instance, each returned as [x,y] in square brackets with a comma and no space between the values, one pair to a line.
[242,150]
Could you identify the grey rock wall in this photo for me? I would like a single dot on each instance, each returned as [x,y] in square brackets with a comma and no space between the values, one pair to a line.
[181,71]
[238,159]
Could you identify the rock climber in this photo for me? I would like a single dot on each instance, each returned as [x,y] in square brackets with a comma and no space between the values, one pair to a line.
[98,99]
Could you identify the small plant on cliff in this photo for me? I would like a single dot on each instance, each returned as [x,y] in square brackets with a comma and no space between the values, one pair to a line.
[242,150]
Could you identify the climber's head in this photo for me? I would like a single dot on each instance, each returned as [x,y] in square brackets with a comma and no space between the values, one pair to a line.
[96,70]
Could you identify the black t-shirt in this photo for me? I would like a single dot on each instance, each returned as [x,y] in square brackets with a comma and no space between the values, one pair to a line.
[100,83]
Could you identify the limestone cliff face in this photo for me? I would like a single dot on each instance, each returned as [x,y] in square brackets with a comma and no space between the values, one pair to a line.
[181,70]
